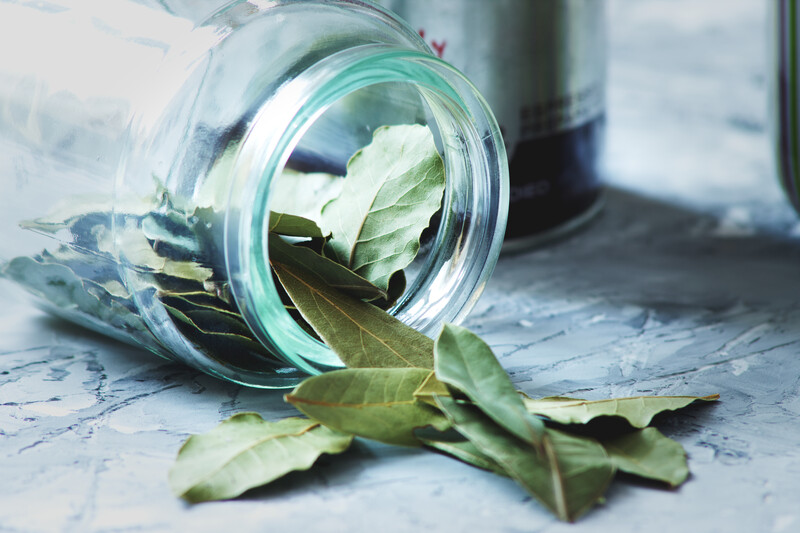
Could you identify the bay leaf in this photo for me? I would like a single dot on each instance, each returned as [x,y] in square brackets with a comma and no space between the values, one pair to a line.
[648,453]
[113,287]
[223,340]
[247,451]
[293,225]
[75,208]
[430,388]
[65,294]
[465,451]
[392,188]
[53,282]
[334,274]
[304,194]
[172,236]
[197,300]
[397,287]
[568,478]
[374,403]
[465,362]
[638,410]
[214,323]
[359,333]
[139,254]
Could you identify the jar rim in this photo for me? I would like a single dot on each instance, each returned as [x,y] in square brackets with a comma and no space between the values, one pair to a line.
[465,260]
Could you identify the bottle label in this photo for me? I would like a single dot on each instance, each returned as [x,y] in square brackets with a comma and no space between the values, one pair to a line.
[539,63]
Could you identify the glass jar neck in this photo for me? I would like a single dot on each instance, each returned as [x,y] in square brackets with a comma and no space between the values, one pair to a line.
[467,241]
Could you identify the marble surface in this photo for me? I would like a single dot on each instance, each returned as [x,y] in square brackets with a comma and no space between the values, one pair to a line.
[686,284]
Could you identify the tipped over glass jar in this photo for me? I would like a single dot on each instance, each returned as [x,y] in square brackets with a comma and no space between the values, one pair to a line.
[145,148]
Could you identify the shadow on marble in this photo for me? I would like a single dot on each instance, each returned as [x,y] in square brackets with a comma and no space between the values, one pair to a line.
[662,257]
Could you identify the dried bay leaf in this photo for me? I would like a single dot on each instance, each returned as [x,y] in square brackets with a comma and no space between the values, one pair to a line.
[246,451]
[197,300]
[430,388]
[467,452]
[648,453]
[53,282]
[67,294]
[140,255]
[74,209]
[331,272]
[359,333]
[392,189]
[397,287]
[638,411]
[171,236]
[293,226]
[225,339]
[374,403]
[318,189]
[569,478]
[466,363]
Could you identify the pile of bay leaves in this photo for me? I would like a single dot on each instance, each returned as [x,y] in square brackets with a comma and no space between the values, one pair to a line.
[340,260]
[400,387]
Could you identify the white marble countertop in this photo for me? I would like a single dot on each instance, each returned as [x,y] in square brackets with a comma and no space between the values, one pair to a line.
[688,283]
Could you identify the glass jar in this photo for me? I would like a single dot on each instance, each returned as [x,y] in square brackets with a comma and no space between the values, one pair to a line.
[542,67]
[129,129]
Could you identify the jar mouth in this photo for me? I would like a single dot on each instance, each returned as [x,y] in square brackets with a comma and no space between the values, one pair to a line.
[463,248]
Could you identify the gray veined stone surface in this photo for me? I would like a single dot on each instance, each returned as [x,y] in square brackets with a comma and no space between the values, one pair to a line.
[688,283]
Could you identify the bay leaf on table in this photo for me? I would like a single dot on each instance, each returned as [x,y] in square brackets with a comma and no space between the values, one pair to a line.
[392,189]
[374,403]
[331,272]
[247,451]
[569,478]
[465,362]
[638,410]
[648,453]
[465,451]
[359,333]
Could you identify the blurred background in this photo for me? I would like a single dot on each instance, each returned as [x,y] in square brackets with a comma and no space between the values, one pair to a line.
[687,107]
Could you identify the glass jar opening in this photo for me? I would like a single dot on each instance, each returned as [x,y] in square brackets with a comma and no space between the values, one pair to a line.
[327,114]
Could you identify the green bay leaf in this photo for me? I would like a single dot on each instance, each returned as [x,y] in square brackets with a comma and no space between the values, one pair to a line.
[648,453]
[465,362]
[293,226]
[569,477]
[430,388]
[331,272]
[374,403]
[197,300]
[247,451]
[304,194]
[392,189]
[359,333]
[638,410]
[467,452]
[223,338]
[139,254]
